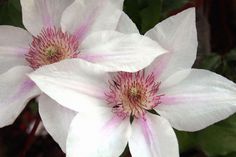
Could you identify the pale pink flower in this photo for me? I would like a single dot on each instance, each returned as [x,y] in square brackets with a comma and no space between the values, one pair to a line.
[58,30]
[184,98]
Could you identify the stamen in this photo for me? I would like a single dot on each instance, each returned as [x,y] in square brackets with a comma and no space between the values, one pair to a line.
[50,46]
[132,94]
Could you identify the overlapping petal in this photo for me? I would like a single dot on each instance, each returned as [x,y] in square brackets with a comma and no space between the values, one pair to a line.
[178,35]
[85,16]
[16,90]
[118,51]
[74,83]
[56,119]
[118,4]
[126,25]
[199,100]
[98,135]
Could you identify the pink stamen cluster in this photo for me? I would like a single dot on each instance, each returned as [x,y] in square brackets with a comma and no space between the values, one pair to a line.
[132,94]
[50,46]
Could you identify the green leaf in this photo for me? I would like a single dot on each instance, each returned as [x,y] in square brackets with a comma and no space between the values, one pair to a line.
[219,139]
[229,155]
[147,13]
[14,12]
[231,62]
[231,56]
[171,5]
[151,14]
[10,13]
[211,62]
[16,4]
[186,140]
[131,8]
[3,13]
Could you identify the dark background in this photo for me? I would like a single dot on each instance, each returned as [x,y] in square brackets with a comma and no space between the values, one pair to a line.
[216,24]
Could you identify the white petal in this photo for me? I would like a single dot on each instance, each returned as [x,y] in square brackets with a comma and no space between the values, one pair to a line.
[56,119]
[153,137]
[100,135]
[126,25]
[198,101]
[14,44]
[120,52]
[42,13]
[178,35]
[16,91]
[118,4]
[74,83]
[85,16]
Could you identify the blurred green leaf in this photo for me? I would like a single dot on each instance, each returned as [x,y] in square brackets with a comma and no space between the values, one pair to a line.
[10,13]
[230,59]
[170,5]
[16,4]
[151,14]
[132,8]
[147,13]
[221,64]
[186,140]
[229,155]
[3,13]
[219,139]
[231,56]
[211,62]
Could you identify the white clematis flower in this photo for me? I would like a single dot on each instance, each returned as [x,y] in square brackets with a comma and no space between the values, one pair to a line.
[58,30]
[186,99]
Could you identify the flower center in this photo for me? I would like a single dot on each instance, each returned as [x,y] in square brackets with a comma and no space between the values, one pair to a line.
[132,94]
[50,46]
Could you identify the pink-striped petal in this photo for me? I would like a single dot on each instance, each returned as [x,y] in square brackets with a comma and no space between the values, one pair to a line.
[178,35]
[74,83]
[197,101]
[14,44]
[42,13]
[97,135]
[120,52]
[16,90]
[153,137]
[56,119]
[85,16]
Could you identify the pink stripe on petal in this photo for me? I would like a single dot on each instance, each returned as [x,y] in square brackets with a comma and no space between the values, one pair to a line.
[85,27]
[91,58]
[25,87]
[47,20]
[22,51]
[148,135]
[169,100]
[177,99]
[146,130]
[112,124]
[84,89]
[96,58]
[14,51]
[91,92]
[161,65]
